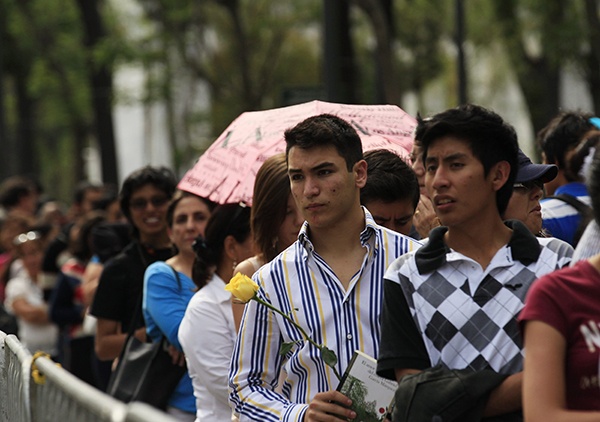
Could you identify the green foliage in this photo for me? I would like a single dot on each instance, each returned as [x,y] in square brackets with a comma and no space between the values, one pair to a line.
[45,50]
[286,347]
[329,357]
[246,51]
[356,390]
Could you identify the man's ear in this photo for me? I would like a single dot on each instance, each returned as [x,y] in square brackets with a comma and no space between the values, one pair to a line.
[360,171]
[499,174]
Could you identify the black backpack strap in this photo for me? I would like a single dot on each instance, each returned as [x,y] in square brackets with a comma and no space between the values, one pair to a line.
[176,277]
[584,210]
[138,311]
[581,207]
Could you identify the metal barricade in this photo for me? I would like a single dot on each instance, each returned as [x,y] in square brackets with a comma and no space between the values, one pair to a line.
[15,380]
[57,395]
[36,389]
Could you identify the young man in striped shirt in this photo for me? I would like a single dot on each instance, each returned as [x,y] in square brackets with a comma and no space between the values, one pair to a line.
[329,281]
[455,301]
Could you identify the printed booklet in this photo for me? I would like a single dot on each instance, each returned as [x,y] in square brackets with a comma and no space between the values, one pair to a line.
[371,394]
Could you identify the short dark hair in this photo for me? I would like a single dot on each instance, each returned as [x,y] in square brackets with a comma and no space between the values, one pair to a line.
[14,188]
[82,247]
[389,178]
[489,137]
[160,177]
[324,130]
[269,204]
[226,220]
[562,134]
[593,185]
[82,188]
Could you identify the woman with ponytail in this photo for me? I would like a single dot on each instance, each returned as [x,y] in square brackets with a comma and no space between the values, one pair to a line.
[207,333]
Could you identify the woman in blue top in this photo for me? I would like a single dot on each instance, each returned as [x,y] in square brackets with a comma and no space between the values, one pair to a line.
[168,288]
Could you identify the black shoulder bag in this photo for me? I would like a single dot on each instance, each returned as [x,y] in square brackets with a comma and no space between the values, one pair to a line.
[145,371]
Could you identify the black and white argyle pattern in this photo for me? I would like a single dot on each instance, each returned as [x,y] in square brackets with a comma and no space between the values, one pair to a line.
[466,315]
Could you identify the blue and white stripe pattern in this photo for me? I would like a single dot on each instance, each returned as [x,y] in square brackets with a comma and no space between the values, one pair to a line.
[300,283]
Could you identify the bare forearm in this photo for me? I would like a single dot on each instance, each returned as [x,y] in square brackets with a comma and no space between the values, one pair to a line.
[31,313]
[505,398]
[108,347]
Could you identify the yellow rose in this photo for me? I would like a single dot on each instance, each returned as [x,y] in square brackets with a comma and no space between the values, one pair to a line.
[242,287]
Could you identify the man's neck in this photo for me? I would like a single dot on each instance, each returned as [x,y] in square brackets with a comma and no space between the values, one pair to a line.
[341,237]
[480,240]
[340,246]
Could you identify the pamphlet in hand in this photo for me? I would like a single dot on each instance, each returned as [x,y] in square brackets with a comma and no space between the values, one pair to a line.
[371,394]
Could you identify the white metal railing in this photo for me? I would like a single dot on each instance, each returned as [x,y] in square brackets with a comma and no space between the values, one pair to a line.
[36,389]
[15,380]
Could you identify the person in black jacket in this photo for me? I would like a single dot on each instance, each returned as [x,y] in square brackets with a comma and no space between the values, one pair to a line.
[144,199]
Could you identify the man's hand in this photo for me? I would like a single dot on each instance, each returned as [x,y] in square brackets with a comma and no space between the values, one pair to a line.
[330,406]
[425,217]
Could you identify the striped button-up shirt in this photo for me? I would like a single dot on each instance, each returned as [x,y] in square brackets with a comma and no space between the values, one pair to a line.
[300,283]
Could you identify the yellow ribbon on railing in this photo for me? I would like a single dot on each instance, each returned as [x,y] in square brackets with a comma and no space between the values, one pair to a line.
[38,377]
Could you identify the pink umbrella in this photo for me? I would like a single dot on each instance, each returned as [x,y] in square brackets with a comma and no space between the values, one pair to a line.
[225,172]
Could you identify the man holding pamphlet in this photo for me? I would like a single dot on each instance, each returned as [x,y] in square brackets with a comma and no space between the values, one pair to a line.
[329,283]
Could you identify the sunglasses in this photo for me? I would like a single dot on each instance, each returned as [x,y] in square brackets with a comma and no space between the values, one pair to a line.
[141,203]
[26,237]
[529,186]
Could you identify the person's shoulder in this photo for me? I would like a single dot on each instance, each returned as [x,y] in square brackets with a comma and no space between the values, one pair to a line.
[400,265]
[406,243]
[18,283]
[159,269]
[123,257]
[213,293]
[248,266]
[556,246]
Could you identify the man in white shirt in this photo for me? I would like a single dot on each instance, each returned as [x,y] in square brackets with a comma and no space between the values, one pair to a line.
[329,281]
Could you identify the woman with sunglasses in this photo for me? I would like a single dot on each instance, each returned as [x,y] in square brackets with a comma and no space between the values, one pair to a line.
[25,297]
[524,204]
[144,199]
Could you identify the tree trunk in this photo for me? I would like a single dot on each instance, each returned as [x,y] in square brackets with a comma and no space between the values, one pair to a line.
[593,59]
[379,13]
[100,79]
[25,157]
[539,77]
[338,54]
[5,141]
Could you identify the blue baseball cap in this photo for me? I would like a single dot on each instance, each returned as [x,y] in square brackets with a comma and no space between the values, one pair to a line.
[529,172]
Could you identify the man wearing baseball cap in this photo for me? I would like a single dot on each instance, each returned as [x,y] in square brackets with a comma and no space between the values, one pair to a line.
[528,189]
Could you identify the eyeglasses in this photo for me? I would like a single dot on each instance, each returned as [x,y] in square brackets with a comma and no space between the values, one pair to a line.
[26,237]
[529,186]
[140,204]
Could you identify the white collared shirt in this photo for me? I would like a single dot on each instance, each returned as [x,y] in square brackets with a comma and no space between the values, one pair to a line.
[207,335]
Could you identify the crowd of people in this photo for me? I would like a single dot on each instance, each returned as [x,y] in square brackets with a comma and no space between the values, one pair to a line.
[467,261]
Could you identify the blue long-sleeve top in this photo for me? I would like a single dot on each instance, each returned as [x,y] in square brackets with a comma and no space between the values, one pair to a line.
[164,303]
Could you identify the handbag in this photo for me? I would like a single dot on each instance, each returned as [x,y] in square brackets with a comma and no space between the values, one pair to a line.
[145,371]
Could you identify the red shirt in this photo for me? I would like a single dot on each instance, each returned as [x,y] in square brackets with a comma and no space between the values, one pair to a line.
[569,301]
